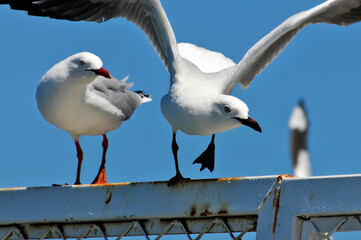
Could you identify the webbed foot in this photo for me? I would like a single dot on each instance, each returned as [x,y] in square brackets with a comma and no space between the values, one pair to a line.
[206,159]
[176,178]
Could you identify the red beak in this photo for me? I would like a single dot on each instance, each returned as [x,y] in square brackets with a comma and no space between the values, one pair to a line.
[102,72]
[250,122]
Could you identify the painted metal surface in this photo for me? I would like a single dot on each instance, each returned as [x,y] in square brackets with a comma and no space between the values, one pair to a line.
[303,199]
[221,205]
[324,227]
[133,201]
[277,207]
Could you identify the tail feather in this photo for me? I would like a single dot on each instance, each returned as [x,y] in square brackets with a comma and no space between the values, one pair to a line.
[145,97]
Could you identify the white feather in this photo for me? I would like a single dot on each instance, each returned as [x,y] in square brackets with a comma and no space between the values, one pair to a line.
[207,61]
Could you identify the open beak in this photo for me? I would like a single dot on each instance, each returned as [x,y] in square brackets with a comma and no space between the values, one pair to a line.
[250,122]
[101,71]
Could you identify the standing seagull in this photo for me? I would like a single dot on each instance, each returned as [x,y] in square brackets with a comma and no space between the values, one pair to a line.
[80,97]
[298,125]
[199,101]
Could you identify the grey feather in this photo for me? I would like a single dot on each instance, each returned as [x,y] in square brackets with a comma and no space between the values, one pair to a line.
[116,92]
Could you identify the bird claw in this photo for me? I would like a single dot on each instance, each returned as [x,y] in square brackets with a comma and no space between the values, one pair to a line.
[175,179]
[101,178]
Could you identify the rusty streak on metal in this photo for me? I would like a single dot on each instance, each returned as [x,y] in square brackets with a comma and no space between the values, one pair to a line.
[193,210]
[197,203]
[108,197]
[276,191]
[283,176]
[13,189]
[105,184]
[225,205]
[231,178]
[276,206]
[277,199]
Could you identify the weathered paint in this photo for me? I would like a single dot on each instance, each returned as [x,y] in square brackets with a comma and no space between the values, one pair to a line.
[231,178]
[292,201]
[278,207]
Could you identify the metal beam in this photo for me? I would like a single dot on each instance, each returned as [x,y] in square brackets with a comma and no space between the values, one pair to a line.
[299,200]
[277,207]
[152,205]
[133,201]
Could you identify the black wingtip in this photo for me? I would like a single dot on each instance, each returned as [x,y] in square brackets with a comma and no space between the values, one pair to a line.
[29,6]
[143,94]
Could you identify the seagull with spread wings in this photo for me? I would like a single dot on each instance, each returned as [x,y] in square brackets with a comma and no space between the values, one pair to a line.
[199,100]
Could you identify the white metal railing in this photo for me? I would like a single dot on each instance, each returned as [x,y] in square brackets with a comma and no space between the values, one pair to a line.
[276,207]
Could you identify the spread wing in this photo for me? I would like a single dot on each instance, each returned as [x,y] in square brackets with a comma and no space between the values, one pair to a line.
[148,15]
[340,12]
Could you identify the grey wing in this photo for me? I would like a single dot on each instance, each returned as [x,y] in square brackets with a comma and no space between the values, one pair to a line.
[341,12]
[148,15]
[116,93]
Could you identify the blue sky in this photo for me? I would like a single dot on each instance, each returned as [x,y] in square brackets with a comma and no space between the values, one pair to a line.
[321,65]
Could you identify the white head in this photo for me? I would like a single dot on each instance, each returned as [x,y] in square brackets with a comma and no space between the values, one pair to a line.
[229,112]
[82,65]
[85,64]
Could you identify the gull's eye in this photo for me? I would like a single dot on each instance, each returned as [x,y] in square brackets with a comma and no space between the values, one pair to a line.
[227,109]
[82,62]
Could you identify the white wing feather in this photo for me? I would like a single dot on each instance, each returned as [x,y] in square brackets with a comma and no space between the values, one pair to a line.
[341,12]
[207,61]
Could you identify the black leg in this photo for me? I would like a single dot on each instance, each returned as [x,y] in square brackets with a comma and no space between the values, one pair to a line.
[178,176]
[207,157]
[101,177]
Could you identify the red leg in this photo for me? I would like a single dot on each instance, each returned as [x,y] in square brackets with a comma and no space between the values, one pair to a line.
[79,154]
[101,177]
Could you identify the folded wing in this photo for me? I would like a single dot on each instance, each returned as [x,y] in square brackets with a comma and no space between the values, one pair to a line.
[116,93]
